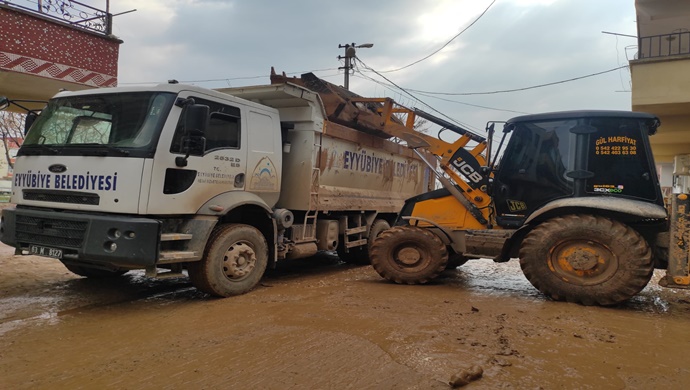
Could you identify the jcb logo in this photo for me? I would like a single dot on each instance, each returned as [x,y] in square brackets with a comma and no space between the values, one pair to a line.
[467,170]
[516,205]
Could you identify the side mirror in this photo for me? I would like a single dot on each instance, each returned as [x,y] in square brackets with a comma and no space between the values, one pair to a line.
[195,126]
[194,145]
[30,119]
[4,103]
[196,119]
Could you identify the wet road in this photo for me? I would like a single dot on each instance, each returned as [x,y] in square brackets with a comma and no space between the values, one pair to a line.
[321,324]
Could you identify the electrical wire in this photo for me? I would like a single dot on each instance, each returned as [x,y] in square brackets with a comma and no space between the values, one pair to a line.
[445,100]
[518,89]
[236,78]
[444,45]
[414,97]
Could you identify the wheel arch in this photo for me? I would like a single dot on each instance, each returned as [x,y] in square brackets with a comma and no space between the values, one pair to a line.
[622,209]
[245,208]
[637,214]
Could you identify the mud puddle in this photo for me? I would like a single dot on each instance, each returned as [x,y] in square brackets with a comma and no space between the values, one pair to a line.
[318,323]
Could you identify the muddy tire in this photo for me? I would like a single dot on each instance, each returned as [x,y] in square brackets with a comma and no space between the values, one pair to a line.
[409,255]
[586,259]
[94,273]
[234,261]
[360,255]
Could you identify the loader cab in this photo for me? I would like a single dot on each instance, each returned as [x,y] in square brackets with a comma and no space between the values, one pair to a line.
[574,154]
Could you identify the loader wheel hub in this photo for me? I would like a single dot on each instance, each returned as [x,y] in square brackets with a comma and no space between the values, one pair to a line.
[409,256]
[582,260]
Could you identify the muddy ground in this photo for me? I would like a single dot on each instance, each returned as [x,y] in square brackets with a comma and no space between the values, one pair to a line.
[321,324]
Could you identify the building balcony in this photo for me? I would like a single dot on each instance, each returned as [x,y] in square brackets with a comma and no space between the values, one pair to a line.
[51,45]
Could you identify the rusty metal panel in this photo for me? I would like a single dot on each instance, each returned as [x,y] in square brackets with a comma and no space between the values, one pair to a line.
[678,273]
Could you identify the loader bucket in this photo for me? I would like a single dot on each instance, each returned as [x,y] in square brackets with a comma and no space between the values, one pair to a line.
[339,106]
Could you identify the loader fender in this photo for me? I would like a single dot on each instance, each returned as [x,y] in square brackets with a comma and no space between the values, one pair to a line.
[621,209]
[607,205]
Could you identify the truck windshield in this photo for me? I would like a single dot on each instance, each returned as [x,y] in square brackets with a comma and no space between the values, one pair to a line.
[109,123]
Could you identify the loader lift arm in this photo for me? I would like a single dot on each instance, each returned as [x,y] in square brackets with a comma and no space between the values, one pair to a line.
[453,157]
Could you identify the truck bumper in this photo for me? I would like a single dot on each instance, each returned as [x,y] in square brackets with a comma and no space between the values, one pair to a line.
[121,241]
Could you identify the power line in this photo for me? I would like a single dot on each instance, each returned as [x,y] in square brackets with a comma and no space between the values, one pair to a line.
[237,78]
[443,99]
[414,97]
[446,44]
[475,105]
[518,89]
[387,86]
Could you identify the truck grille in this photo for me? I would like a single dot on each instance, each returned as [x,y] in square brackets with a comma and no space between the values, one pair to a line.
[50,231]
[61,196]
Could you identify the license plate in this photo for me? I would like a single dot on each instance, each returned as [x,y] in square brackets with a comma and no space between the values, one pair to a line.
[45,251]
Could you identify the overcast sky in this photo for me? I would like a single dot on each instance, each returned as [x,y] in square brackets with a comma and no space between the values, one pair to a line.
[516,44]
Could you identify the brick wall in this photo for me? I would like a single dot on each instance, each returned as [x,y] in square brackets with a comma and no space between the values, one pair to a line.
[34,45]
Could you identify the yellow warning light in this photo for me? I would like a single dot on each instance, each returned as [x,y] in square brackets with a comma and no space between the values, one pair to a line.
[682,196]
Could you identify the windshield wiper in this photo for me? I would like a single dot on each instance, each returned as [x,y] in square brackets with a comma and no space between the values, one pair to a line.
[98,149]
[38,149]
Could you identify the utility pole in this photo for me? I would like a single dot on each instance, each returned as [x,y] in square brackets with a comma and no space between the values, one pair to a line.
[348,57]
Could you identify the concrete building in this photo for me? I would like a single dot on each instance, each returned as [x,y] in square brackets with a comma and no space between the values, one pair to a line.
[661,81]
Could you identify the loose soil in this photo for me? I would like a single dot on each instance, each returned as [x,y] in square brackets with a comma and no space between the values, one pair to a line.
[321,324]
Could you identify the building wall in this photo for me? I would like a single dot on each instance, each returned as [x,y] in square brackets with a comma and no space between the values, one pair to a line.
[45,48]
[661,82]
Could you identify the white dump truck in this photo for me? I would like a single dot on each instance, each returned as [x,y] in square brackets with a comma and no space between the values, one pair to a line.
[220,183]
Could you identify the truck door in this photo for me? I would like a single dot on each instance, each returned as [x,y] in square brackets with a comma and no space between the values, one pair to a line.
[217,167]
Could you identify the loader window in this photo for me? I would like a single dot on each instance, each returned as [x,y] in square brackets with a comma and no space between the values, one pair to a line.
[533,169]
[619,160]
[223,131]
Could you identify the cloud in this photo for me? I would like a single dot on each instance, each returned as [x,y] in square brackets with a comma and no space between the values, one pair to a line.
[517,43]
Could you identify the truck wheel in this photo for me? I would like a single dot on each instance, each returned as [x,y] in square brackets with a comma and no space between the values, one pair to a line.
[360,255]
[408,255]
[94,273]
[234,261]
[586,259]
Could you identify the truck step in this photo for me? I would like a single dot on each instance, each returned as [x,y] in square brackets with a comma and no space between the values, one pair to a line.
[360,229]
[168,257]
[175,236]
[170,275]
[354,243]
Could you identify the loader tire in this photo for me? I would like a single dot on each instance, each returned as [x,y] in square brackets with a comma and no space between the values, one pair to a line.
[234,261]
[361,255]
[409,255]
[586,259]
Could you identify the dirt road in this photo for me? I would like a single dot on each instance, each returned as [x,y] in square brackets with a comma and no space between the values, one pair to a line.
[319,324]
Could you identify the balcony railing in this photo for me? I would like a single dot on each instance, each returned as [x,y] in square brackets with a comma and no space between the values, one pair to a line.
[71,12]
[667,45]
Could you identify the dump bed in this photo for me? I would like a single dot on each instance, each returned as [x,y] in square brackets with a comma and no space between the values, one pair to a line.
[329,166]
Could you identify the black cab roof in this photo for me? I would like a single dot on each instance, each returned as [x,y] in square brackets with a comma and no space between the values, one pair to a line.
[582,114]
